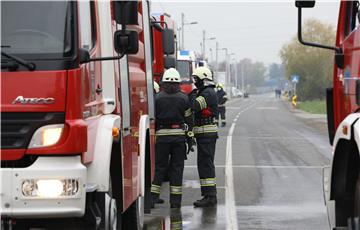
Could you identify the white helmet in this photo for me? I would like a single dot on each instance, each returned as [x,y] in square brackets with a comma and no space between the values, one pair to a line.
[203,73]
[220,85]
[171,75]
[156,87]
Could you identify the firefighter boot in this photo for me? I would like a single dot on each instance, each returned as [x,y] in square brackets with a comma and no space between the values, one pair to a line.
[156,200]
[206,201]
[173,206]
[223,124]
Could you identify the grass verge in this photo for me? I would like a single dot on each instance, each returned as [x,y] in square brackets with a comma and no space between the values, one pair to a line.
[315,107]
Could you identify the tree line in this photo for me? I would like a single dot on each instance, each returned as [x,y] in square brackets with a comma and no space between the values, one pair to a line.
[313,65]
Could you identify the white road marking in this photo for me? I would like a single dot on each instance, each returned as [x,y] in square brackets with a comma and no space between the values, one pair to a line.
[231,215]
[267,108]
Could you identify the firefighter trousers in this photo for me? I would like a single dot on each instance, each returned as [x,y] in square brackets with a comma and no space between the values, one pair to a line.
[206,166]
[222,111]
[175,167]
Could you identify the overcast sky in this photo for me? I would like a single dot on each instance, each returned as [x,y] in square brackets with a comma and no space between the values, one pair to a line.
[250,29]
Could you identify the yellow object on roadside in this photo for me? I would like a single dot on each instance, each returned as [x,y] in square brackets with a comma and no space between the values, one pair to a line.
[293,100]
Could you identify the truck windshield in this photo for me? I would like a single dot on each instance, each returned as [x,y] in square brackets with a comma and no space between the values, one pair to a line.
[184,68]
[39,28]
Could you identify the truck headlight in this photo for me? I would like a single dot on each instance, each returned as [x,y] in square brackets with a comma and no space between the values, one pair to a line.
[46,136]
[49,188]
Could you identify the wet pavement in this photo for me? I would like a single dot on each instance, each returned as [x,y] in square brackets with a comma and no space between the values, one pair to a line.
[269,173]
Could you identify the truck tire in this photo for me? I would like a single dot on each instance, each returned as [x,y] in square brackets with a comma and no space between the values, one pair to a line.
[114,218]
[133,217]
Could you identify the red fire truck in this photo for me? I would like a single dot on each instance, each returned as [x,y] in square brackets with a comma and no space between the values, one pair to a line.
[342,182]
[185,64]
[77,115]
[163,29]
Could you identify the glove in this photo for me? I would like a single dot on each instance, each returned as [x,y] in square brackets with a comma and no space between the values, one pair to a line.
[190,134]
[190,140]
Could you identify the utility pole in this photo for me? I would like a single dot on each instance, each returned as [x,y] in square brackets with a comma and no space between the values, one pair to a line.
[182,47]
[242,78]
[212,56]
[203,46]
[227,80]
[216,58]
[236,74]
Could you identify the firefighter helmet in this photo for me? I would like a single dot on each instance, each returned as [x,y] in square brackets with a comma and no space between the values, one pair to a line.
[171,75]
[203,73]
[156,87]
[220,85]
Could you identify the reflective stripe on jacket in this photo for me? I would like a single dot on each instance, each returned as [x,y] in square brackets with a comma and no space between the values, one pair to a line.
[205,129]
[170,132]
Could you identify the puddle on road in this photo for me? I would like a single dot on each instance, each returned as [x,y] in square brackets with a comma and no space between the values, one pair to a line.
[305,216]
[187,218]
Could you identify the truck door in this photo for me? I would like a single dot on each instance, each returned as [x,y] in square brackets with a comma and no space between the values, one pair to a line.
[351,48]
[148,59]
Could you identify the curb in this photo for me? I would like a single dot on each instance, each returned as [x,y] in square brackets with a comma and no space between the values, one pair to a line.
[305,115]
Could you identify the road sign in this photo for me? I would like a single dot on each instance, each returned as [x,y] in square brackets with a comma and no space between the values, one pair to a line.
[295,78]
[294,100]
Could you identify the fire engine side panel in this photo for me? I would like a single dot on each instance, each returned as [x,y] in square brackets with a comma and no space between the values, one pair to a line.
[107,50]
[138,102]
[150,88]
[158,67]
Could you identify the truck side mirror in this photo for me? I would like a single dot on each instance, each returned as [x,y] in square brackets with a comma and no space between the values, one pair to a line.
[169,62]
[126,42]
[339,56]
[84,56]
[126,12]
[305,4]
[168,41]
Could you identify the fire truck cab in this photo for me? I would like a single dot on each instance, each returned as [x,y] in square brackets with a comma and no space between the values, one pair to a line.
[185,64]
[342,179]
[164,44]
[77,114]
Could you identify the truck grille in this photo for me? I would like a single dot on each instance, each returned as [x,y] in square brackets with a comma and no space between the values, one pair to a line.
[18,128]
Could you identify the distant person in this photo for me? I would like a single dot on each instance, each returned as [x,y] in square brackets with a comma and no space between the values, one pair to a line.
[222,98]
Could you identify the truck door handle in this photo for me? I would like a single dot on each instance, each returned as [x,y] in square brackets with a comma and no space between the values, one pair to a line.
[98,90]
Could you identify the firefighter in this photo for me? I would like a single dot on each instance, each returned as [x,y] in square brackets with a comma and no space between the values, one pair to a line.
[222,98]
[204,103]
[173,114]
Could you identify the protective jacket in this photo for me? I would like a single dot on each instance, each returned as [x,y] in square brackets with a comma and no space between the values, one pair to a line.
[221,95]
[204,103]
[173,111]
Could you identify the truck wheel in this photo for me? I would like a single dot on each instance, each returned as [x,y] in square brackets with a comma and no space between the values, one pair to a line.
[133,217]
[113,218]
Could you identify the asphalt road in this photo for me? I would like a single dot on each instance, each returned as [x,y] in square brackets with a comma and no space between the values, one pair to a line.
[269,173]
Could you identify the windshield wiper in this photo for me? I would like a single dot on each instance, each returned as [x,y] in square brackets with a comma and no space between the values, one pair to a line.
[29,65]
[12,66]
